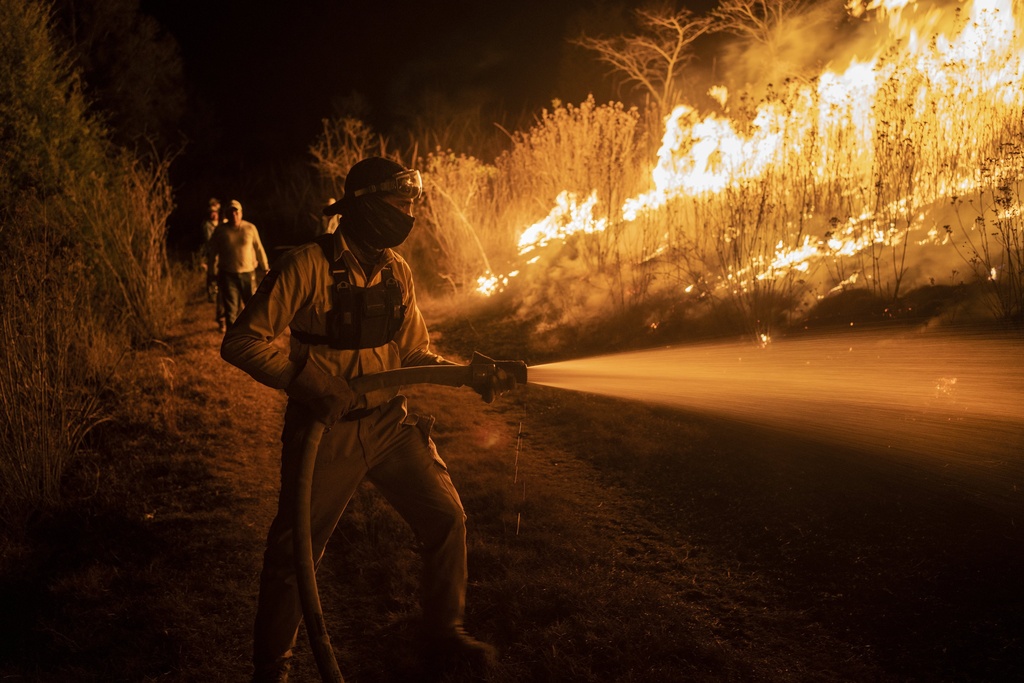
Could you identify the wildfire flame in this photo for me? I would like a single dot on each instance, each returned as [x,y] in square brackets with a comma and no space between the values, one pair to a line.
[979,66]
[568,217]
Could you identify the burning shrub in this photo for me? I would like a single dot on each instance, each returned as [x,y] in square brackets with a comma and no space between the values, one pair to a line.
[463,224]
[584,149]
[586,160]
[992,244]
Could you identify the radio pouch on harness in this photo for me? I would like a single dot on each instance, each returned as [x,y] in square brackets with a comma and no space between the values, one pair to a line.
[360,317]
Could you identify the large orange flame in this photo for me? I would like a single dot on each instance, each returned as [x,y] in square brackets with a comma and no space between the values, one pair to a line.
[952,82]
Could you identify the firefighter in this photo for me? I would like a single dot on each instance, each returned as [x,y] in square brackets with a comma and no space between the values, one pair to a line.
[211,222]
[232,258]
[350,303]
[206,232]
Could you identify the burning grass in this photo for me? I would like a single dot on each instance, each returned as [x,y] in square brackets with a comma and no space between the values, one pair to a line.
[893,166]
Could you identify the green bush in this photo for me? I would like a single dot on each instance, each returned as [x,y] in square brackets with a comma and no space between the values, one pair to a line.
[83,263]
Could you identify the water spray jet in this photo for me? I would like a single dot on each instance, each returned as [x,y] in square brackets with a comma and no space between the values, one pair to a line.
[958,397]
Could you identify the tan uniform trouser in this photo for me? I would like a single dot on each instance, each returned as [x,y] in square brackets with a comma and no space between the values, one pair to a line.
[233,292]
[397,455]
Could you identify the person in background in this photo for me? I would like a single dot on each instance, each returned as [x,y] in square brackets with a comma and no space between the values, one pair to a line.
[212,220]
[328,224]
[210,224]
[334,338]
[234,254]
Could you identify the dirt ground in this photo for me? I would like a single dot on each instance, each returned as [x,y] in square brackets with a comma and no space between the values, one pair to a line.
[609,541]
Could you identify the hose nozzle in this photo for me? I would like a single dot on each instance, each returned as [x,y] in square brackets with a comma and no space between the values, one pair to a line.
[482,374]
[483,367]
[491,378]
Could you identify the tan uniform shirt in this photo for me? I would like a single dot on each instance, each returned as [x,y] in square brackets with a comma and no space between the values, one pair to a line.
[297,294]
[235,249]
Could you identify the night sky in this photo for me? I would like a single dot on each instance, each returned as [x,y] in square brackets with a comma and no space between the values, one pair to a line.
[272,70]
[262,75]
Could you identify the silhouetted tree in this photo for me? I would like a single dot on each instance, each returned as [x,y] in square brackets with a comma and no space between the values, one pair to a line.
[654,59]
[131,68]
[756,21]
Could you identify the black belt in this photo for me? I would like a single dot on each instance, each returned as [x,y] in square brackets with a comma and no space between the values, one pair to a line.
[353,415]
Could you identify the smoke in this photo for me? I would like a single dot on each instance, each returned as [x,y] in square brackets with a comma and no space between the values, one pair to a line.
[797,47]
[824,35]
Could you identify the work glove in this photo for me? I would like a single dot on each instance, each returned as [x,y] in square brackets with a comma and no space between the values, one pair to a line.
[327,397]
[493,384]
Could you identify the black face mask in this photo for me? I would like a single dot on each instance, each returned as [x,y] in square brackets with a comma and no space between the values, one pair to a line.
[376,223]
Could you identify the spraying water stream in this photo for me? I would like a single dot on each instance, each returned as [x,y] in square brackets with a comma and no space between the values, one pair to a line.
[952,399]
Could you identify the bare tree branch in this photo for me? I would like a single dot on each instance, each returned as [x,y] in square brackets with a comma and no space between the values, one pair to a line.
[654,59]
[757,22]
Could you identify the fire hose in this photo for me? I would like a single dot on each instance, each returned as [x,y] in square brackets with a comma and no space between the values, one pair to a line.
[481,371]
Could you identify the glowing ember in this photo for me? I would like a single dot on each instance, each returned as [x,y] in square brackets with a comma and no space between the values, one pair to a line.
[491,283]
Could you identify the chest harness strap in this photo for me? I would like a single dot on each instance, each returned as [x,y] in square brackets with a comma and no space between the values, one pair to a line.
[360,317]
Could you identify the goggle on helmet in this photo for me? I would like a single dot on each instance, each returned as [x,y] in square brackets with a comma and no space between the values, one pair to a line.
[407,184]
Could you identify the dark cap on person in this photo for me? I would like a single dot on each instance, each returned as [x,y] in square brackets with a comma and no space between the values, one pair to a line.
[363,174]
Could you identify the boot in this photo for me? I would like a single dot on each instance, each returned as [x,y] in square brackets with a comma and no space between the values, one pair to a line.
[272,672]
[457,648]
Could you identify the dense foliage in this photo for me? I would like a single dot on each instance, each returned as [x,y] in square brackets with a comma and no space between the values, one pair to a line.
[83,266]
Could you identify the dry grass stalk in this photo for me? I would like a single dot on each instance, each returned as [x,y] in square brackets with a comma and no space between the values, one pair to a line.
[51,373]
